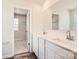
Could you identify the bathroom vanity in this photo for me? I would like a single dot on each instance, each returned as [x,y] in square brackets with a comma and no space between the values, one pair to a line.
[61,16]
[47,48]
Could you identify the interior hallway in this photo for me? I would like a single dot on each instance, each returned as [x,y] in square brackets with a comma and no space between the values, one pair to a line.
[20,37]
[20,46]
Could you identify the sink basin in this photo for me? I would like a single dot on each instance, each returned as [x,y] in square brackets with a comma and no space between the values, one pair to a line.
[56,39]
[65,41]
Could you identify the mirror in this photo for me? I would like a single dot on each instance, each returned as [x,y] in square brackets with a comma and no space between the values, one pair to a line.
[73,19]
[64,15]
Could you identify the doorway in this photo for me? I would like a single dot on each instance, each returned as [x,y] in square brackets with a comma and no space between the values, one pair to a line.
[21,31]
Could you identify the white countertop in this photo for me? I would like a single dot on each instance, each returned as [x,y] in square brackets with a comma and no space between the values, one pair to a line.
[67,44]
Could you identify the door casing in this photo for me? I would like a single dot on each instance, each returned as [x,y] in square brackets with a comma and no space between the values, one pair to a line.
[28,19]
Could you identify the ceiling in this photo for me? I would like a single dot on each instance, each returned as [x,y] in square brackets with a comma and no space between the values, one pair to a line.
[44,3]
[40,2]
[48,3]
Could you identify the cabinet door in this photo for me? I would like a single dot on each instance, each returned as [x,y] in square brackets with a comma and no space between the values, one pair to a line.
[59,51]
[41,49]
[50,54]
[58,57]
[35,45]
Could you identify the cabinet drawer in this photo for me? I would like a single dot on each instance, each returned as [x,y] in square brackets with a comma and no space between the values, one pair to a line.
[59,50]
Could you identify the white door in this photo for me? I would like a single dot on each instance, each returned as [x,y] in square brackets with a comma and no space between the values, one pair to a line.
[41,49]
[35,45]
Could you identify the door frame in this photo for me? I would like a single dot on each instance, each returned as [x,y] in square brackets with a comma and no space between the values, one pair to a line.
[29,15]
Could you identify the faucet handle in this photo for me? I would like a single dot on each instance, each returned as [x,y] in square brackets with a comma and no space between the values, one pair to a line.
[69,36]
[72,37]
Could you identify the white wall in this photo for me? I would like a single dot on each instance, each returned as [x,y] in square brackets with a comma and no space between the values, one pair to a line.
[47,19]
[7,28]
[8,15]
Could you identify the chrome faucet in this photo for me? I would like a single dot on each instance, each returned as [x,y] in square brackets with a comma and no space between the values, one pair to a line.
[69,36]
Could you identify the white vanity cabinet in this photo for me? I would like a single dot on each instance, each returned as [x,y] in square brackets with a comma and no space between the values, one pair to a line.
[55,52]
[49,54]
[45,49]
[35,45]
[58,57]
[41,48]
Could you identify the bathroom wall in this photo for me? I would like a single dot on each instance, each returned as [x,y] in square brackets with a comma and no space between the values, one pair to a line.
[7,33]
[8,16]
[62,9]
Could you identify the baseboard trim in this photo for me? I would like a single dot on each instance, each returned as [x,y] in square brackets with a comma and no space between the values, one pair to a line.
[20,53]
[10,57]
[7,56]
